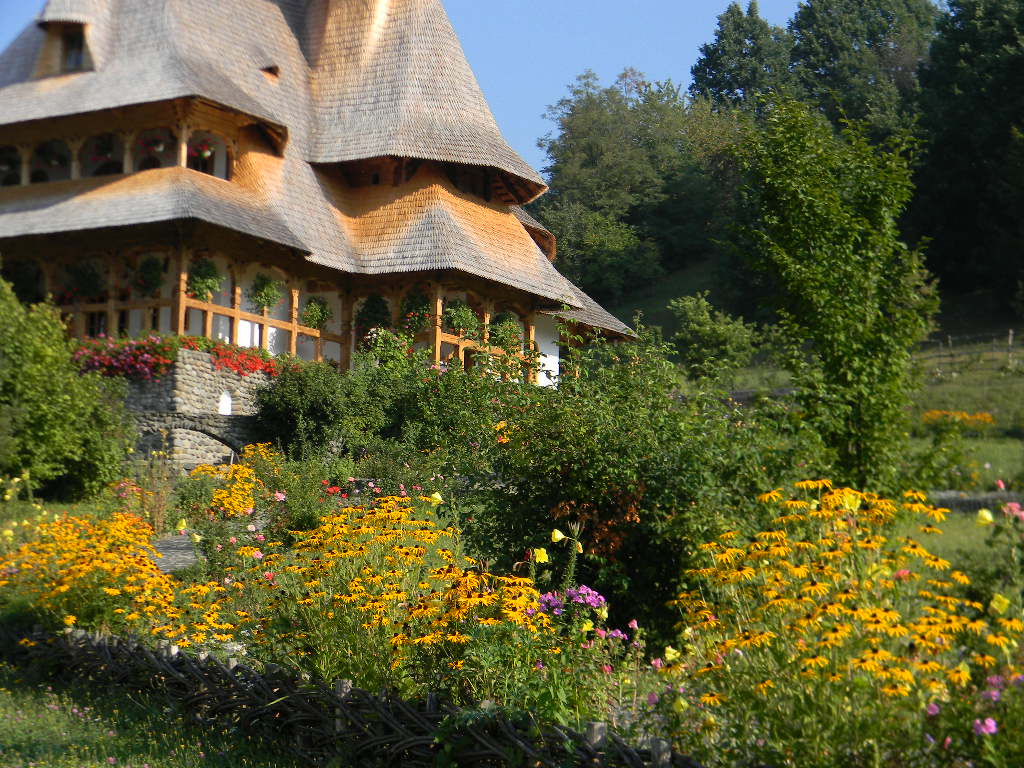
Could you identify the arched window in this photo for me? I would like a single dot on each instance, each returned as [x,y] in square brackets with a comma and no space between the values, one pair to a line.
[208,153]
[51,162]
[10,167]
[156,148]
[103,155]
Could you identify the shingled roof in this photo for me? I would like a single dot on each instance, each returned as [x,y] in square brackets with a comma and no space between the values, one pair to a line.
[356,80]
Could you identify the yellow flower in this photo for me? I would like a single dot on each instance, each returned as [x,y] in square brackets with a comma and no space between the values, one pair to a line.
[984,517]
[557,536]
[671,654]
[540,555]
[711,699]
[70,620]
[435,498]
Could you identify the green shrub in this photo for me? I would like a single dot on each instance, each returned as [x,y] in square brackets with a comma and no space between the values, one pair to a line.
[70,432]
[710,343]
[317,313]
[459,318]
[204,280]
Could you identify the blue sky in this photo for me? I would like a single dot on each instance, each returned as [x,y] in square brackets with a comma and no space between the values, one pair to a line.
[525,53]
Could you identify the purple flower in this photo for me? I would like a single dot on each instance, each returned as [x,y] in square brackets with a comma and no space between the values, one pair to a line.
[652,698]
[985,727]
[932,709]
[992,694]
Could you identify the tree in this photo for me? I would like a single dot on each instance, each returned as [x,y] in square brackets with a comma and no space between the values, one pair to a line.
[640,181]
[852,298]
[69,431]
[748,57]
[972,181]
[859,60]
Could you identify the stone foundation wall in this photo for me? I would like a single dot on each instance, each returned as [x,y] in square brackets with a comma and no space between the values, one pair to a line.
[196,413]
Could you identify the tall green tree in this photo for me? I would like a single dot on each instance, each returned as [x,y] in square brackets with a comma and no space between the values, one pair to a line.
[859,60]
[852,299]
[972,182]
[748,57]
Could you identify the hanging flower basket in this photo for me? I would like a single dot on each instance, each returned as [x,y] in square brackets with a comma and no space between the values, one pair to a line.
[154,146]
[204,280]
[317,313]
[202,149]
[149,276]
[266,292]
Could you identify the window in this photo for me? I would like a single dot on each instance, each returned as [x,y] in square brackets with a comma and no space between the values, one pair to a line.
[73,49]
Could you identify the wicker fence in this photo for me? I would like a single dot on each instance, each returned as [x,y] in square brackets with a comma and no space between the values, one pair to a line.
[344,726]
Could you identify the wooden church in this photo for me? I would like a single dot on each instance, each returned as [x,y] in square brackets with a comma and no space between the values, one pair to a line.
[271,173]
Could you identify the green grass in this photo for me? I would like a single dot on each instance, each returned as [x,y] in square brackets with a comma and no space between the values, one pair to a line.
[962,541]
[55,726]
[653,298]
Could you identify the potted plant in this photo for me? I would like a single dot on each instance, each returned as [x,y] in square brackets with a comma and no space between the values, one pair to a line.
[459,318]
[415,312]
[505,333]
[317,313]
[204,280]
[374,313]
[85,283]
[201,149]
[154,145]
[265,292]
[149,276]
[104,148]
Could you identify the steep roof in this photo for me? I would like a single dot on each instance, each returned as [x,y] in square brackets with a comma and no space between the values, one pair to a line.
[356,80]
[390,78]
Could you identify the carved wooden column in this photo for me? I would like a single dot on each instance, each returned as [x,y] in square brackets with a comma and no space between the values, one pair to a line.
[128,161]
[485,337]
[178,308]
[531,344]
[236,304]
[184,133]
[75,148]
[293,341]
[438,310]
[26,163]
[346,331]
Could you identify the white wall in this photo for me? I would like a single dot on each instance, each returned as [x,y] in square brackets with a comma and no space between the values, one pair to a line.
[547,344]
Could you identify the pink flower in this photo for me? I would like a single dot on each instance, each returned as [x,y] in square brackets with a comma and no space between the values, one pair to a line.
[279,495]
[1002,487]
[258,555]
[633,625]
[600,633]
[985,727]
[902,574]
[652,699]
[260,537]
[250,527]
[657,663]
[268,575]
[219,547]
[232,540]
[932,709]
[606,668]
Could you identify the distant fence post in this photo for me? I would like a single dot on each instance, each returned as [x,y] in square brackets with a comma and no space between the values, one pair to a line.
[1009,347]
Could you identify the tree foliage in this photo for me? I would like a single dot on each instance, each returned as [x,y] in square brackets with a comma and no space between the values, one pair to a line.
[748,57]
[69,431]
[852,298]
[858,60]
[972,182]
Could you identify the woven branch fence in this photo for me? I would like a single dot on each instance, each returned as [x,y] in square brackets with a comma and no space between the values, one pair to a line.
[343,725]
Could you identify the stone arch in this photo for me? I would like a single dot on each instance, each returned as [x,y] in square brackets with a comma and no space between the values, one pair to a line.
[156,148]
[103,155]
[51,161]
[10,167]
[208,153]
